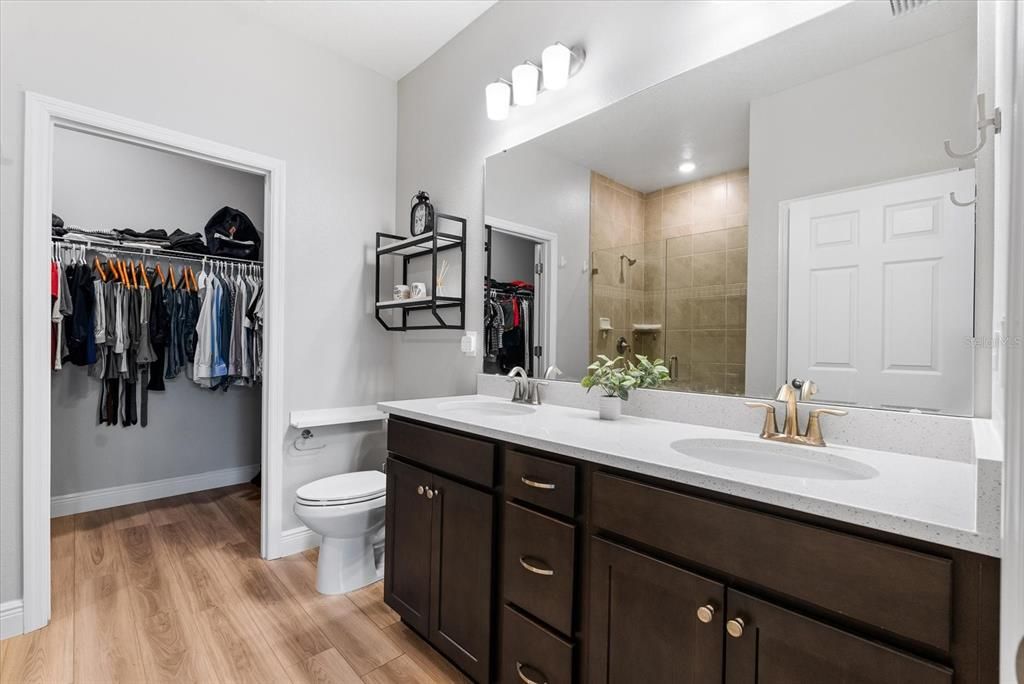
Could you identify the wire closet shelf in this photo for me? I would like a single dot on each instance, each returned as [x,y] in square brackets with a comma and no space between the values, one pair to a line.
[112,245]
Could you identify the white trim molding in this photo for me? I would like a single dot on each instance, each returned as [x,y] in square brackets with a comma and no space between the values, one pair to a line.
[42,115]
[297,540]
[108,497]
[549,243]
[11,619]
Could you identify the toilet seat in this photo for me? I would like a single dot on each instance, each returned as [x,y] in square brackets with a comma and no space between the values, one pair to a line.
[344,489]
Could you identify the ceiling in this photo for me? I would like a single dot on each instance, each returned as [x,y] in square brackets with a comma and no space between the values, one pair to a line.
[391,37]
[641,140]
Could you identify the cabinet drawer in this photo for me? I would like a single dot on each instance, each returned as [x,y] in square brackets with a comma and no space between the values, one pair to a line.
[462,457]
[540,481]
[530,653]
[903,592]
[539,565]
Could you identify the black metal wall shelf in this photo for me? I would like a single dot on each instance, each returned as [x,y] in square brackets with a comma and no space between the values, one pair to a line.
[428,245]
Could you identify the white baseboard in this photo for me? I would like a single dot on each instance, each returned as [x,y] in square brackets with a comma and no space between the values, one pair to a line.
[11,623]
[81,502]
[297,540]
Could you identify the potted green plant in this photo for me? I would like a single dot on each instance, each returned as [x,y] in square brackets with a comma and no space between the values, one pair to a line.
[616,377]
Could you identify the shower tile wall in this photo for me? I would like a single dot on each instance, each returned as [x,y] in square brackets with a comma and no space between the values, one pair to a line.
[617,292]
[703,227]
[690,242]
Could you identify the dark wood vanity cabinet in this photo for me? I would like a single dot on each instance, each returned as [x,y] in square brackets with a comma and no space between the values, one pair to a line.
[767,644]
[524,567]
[439,543]
[644,624]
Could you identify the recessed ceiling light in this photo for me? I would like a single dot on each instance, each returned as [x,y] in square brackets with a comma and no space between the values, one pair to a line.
[687,167]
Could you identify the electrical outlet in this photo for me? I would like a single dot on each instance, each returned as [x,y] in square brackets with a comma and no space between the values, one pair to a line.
[468,343]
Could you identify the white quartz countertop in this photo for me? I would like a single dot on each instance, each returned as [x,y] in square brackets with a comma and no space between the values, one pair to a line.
[923,498]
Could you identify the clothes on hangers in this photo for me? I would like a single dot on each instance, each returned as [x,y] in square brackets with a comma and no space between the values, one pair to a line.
[508,315]
[133,337]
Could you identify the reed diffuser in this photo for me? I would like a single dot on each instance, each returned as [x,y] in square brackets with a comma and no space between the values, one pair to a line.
[442,272]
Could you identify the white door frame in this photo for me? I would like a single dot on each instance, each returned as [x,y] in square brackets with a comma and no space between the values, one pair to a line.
[42,115]
[549,295]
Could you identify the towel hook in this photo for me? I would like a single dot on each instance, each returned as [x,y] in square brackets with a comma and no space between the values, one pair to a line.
[995,121]
[954,200]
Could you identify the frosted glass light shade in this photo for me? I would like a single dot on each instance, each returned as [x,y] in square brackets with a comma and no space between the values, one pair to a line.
[497,94]
[525,83]
[555,60]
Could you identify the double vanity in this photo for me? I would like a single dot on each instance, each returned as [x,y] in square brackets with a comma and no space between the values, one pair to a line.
[534,544]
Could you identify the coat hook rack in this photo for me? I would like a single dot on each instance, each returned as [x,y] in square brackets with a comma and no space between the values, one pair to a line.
[995,121]
[954,200]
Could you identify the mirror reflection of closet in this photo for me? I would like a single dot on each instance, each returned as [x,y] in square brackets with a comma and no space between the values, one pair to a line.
[189,431]
[510,339]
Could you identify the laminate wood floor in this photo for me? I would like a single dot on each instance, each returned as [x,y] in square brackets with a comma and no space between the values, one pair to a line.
[174,590]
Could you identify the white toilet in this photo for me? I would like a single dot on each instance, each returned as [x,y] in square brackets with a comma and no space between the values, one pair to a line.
[348,511]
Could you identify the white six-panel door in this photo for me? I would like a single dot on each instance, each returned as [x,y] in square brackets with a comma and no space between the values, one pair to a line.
[881,294]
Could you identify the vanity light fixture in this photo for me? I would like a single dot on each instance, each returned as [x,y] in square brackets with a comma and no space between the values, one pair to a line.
[558,64]
[687,167]
[498,99]
[525,84]
[556,61]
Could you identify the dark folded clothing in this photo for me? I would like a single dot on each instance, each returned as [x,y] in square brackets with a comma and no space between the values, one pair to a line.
[152,234]
[188,242]
[56,221]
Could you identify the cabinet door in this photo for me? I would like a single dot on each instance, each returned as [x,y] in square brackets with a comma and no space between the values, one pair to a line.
[644,622]
[777,646]
[460,601]
[407,560]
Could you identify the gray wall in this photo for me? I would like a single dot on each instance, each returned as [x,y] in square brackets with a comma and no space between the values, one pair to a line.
[881,120]
[511,257]
[529,186]
[99,184]
[333,124]
[630,46]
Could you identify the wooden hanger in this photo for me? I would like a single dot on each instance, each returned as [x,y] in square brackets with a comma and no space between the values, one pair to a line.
[99,268]
[135,274]
[160,274]
[170,275]
[195,282]
[142,271]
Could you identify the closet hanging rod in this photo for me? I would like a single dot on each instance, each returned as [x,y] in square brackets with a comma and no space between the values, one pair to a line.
[106,246]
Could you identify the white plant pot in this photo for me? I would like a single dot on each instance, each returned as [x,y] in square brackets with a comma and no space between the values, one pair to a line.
[609,408]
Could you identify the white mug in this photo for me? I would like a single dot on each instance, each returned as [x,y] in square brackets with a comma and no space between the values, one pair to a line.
[401,292]
[419,290]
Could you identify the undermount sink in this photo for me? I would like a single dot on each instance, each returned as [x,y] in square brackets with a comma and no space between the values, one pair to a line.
[486,408]
[776,458]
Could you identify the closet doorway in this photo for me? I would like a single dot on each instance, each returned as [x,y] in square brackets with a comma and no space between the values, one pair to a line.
[521,279]
[57,136]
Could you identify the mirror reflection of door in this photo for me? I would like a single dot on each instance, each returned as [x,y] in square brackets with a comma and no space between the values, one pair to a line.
[512,287]
[881,294]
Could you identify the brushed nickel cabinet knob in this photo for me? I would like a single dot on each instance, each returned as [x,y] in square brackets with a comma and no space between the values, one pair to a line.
[734,627]
[419,490]
[430,493]
[706,613]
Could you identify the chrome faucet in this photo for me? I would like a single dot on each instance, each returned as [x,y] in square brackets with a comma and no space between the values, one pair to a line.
[792,392]
[521,391]
[527,390]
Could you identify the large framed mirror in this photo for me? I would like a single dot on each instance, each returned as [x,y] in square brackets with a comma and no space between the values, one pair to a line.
[789,210]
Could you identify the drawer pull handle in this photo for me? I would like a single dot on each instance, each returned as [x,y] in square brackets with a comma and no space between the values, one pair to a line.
[535,484]
[706,613]
[734,627]
[547,572]
[527,680]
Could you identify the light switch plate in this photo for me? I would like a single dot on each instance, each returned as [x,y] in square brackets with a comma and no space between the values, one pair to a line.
[468,343]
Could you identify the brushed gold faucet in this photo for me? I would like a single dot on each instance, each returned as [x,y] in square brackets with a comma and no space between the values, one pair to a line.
[792,392]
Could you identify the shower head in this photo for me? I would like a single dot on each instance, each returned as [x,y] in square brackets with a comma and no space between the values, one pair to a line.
[623,256]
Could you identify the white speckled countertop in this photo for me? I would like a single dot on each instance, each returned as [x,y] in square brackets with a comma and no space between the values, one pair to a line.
[941,501]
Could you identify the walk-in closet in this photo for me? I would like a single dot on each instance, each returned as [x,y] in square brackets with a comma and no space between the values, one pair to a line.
[156,335]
